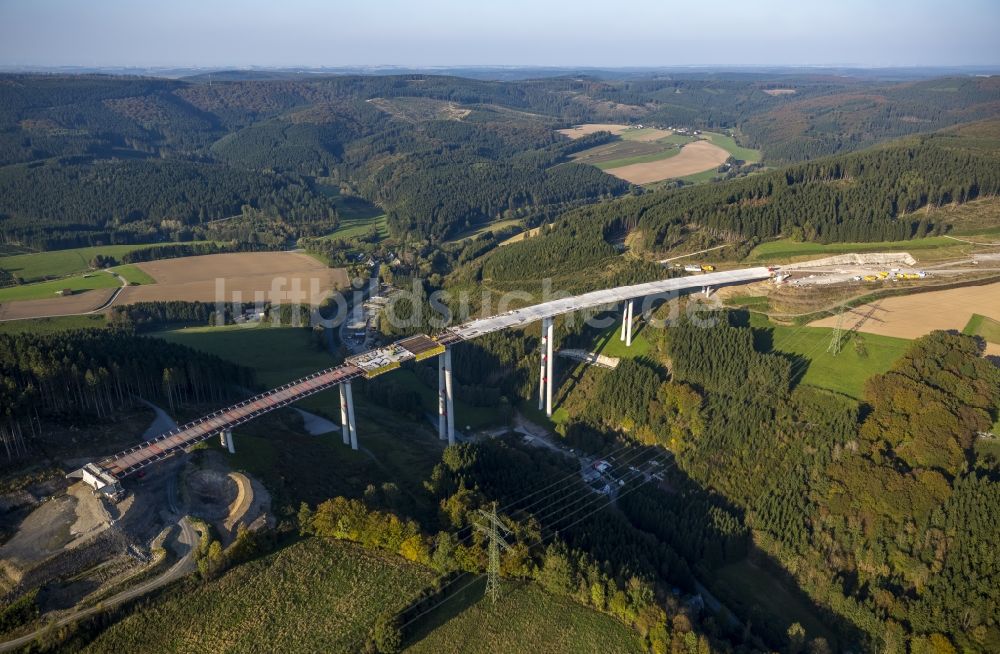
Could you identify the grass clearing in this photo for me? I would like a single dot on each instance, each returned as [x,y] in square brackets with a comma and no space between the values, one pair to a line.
[628,161]
[984,326]
[525,619]
[278,354]
[702,177]
[134,275]
[356,227]
[787,248]
[356,215]
[312,596]
[475,231]
[729,144]
[844,373]
[298,467]
[59,263]
[466,415]
[50,325]
[50,289]
[609,342]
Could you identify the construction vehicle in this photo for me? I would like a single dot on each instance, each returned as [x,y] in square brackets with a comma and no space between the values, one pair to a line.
[692,268]
[882,274]
[707,267]
[871,278]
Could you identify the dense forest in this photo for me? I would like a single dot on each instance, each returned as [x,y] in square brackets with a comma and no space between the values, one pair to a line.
[126,160]
[95,373]
[883,513]
[875,195]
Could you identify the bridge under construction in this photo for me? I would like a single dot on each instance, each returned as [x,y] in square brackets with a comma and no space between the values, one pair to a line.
[106,475]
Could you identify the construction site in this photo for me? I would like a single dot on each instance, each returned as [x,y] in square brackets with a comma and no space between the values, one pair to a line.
[93,538]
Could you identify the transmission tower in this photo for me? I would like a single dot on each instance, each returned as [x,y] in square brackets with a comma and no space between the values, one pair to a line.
[838,334]
[495,530]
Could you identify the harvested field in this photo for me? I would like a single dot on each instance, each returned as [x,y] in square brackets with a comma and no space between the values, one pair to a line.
[271,274]
[646,134]
[911,316]
[693,158]
[56,306]
[577,131]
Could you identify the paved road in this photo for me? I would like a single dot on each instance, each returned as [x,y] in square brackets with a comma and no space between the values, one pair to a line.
[589,357]
[184,545]
[161,422]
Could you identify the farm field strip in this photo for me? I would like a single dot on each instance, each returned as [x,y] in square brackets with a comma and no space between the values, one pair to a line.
[912,316]
[783,249]
[80,303]
[693,158]
[249,273]
[46,290]
[60,263]
[987,328]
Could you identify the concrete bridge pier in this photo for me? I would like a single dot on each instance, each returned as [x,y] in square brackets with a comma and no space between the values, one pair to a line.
[629,308]
[548,380]
[345,425]
[448,402]
[442,400]
[347,415]
[542,377]
[226,436]
[706,291]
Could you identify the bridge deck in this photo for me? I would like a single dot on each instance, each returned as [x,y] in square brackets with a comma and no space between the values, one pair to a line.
[527,315]
[179,438]
[164,445]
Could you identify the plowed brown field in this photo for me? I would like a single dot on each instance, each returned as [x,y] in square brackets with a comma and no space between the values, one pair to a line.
[693,158]
[271,274]
[911,316]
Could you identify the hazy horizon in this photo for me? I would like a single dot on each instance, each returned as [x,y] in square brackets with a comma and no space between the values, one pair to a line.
[441,33]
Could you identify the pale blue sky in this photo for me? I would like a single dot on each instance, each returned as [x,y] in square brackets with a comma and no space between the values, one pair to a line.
[507,32]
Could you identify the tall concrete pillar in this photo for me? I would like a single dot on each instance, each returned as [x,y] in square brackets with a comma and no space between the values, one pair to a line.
[350,416]
[542,379]
[550,380]
[227,440]
[442,399]
[624,319]
[628,322]
[345,425]
[449,397]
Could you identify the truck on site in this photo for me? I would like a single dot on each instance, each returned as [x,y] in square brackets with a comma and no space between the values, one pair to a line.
[692,268]
[707,267]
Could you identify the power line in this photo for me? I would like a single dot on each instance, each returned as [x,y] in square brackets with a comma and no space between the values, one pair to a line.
[583,494]
[540,542]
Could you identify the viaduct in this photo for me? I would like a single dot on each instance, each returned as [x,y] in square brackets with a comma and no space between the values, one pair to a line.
[106,475]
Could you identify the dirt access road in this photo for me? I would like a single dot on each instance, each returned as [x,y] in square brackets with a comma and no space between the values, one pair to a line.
[184,546]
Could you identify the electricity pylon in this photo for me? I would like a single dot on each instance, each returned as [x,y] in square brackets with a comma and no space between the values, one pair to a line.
[838,333]
[495,530]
